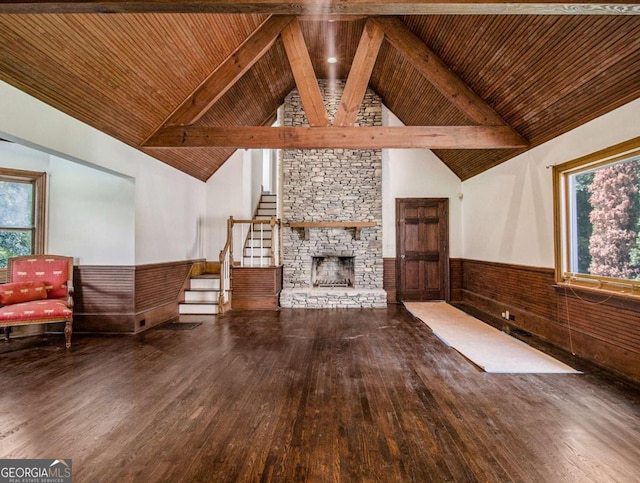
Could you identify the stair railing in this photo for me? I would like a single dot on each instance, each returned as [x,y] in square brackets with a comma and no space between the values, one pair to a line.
[247,231]
[226,262]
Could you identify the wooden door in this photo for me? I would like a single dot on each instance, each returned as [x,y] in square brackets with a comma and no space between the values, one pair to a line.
[422,237]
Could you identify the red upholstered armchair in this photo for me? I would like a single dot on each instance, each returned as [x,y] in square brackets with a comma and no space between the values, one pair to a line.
[39,291]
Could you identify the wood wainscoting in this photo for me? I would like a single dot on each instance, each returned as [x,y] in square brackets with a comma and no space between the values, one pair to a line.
[389,279]
[602,329]
[104,298]
[159,288]
[128,299]
[256,288]
[455,279]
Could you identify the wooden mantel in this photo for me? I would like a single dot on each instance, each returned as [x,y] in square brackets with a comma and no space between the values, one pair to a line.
[358,225]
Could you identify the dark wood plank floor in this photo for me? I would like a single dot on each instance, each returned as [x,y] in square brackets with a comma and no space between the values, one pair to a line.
[315,395]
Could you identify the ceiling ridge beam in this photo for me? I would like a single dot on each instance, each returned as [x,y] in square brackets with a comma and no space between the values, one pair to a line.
[311,7]
[359,75]
[219,81]
[304,75]
[361,137]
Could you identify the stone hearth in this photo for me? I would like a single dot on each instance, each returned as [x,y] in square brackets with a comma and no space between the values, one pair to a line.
[332,298]
[332,185]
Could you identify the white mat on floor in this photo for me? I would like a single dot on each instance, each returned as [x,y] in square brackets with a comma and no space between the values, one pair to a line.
[485,346]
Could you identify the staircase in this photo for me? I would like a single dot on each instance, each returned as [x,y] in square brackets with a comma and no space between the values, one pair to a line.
[257,247]
[203,296]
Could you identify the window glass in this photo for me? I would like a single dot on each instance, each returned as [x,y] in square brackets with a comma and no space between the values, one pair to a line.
[16,204]
[21,214]
[14,244]
[605,228]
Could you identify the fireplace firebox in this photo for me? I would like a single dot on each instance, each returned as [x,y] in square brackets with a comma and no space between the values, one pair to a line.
[332,271]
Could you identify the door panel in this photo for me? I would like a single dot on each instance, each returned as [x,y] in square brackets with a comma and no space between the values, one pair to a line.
[421,239]
[412,275]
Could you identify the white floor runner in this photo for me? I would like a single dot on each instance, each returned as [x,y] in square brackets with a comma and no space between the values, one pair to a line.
[487,347]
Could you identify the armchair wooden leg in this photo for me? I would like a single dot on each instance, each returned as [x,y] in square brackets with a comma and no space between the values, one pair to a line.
[7,331]
[67,333]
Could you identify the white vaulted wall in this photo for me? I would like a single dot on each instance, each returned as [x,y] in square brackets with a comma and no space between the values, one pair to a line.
[234,190]
[107,215]
[508,210]
[166,209]
[417,173]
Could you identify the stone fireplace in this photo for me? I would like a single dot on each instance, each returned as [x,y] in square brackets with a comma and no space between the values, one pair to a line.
[332,215]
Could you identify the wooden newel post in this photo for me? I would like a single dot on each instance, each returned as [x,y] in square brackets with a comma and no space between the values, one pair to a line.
[230,232]
[273,247]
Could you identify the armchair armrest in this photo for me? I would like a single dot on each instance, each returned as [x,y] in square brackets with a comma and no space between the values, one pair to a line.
[70,294]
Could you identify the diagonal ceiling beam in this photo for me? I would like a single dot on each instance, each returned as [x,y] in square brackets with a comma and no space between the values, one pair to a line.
[337,7]
[359,75]
[228,73]
[437,72]
[379,137]
[304,75]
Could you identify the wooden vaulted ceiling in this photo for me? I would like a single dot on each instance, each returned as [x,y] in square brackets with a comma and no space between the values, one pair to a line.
[188,88]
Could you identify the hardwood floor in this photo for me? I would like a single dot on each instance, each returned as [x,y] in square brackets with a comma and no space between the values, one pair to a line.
[307,395]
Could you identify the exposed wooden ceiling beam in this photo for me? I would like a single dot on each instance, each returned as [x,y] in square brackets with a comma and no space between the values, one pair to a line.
[358,79]
[437,72]
[331,18]
[427,137]
[304,75]
[338,7]
[228,73]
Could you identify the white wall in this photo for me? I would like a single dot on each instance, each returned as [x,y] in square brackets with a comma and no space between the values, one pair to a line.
[417,173]
[170,212]
[16,156]
[230,192]
[90,213]
[508,210]
[257,165]
[169,205]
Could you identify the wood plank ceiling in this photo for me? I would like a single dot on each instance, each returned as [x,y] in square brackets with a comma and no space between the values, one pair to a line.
[130,74]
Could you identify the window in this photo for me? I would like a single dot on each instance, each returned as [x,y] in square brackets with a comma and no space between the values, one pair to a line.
[22,214]
[597,203]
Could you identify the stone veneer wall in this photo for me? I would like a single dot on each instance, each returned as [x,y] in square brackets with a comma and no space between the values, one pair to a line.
[332,185]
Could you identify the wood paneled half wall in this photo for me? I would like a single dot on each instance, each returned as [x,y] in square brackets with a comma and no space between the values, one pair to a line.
[256,288]
[601,328]
[389,279]
[128,299]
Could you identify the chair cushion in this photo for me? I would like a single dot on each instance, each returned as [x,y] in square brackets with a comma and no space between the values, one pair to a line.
[48,310]
[51,271]
[17,292]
